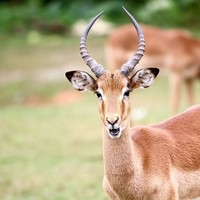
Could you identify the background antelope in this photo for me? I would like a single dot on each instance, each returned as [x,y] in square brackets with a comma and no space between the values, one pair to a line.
[174,51]
[154,162]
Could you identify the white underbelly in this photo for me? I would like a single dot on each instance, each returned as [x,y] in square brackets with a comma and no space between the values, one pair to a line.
[188,184]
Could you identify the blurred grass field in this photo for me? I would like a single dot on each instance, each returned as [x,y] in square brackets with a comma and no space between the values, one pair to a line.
[50,151]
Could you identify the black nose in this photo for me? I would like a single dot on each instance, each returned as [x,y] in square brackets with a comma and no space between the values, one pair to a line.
[112,122]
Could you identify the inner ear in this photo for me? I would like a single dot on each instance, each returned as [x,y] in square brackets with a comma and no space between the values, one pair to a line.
[81,81]
[143,78]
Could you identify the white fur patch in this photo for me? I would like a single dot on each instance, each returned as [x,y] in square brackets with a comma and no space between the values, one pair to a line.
[188,184]
[144,78]
[101,92]
[122,95]
[81,81]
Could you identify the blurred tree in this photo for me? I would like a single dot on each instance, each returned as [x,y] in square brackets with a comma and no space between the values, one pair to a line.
[190,11]
[20,14]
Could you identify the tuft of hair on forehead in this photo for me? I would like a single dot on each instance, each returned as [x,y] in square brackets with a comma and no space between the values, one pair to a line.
[113,81]
[111,75]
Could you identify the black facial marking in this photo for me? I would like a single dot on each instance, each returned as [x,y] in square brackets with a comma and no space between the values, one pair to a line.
[127,93]
[98,94]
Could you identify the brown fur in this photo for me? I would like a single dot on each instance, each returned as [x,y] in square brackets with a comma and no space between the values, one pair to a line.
[157,162]
[149,162]
[154,162]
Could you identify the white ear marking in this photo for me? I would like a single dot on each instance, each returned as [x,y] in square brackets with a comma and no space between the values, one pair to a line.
[81,81]
[147,78]
[144,77]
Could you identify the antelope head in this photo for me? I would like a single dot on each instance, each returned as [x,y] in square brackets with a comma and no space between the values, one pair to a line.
[113,89]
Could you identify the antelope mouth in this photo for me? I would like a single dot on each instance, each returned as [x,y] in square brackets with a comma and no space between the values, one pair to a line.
[114,133]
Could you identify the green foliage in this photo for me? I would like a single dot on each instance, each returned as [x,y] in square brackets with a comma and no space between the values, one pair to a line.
[25,15]
[169,13]
[20,19]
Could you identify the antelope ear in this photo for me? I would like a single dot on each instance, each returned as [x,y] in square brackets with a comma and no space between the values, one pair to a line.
[143,78]
[81,81]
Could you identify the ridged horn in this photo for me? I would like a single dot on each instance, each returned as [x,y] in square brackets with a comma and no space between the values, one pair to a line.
[127,67]
[96,68]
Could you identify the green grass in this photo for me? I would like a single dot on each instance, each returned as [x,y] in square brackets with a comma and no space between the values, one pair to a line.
[54,152]
[18,92]
[51,152]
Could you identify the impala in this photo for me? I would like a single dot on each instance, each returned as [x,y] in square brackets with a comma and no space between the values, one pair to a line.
[158,162]
[174,51]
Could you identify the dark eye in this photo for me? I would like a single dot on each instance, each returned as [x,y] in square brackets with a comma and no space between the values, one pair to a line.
[98,94]
[127,93]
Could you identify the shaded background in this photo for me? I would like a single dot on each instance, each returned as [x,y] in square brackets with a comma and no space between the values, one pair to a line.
[48,146]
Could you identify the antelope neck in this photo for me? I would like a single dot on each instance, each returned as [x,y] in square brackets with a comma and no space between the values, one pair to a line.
[118,153]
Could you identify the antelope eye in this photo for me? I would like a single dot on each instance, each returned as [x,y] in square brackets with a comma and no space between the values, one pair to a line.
[98,94]
[127,93]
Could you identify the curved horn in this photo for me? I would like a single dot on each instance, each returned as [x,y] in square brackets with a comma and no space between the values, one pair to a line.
[96,68]
[127,67]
